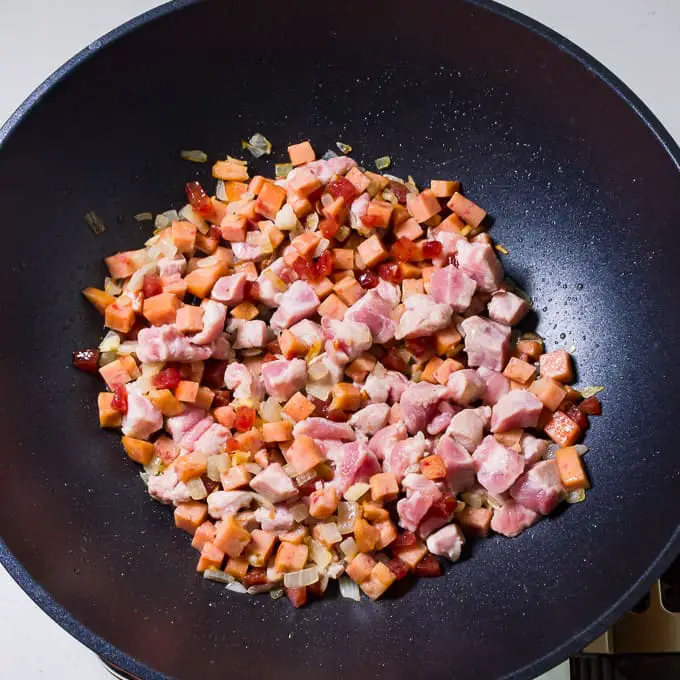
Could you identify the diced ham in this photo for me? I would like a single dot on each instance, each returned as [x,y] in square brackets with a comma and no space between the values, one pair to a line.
[269,293]
[297,303]
[404,454]
[370,419]
[326,169]
[189,440]
[422,316]
[345,340]
[460,467]
[222,348]
[497,466]
[450,286]
[274,484]
[166,343]
[250,334]
[447,542]
[244,384]
[213,440]
[443,418]
[276,522]
[320,428]
[359,206]
[389,291]
[487,343]
[421,493]
[383,386]
[376,312]
[307,331]
[533,448]
[246,252]
[515,410]
[479,262]
[449,241]
[357,464]
[540,488]
[142,418]
[495,385]
[214,317]
[171,267]
[282,378]
[466,386]
[223,504]
[419,404]
[331,449]
[230,290]
[383,440]
[511,519]
[167,488]
[180,425]
[508,308]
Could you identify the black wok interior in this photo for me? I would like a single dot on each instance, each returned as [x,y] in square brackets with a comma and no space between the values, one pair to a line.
[584,195]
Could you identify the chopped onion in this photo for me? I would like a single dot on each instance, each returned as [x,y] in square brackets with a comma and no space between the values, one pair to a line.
[349,589]
[319,554]
[474,500]
[240,161]
[197,489]
[493,502]
[329,533]
[305,477]
[136,282]
[356,491]
[317,369]
[321,248]
[270,410]
[107,357]
[347,516]
[344,148]
[383,162]
[300,512]
[162,249]
[258,145]
[286,218]
[145,477]
[216,466]
[276,593]
[161,222]
[591,391]
[144,217]
[328,155]
[187,213]
[581,449]
[111,287]
[193,155]
[289,470]
[342,233]
[277,282]
[273,575]
[261,588]
[312,221]
[327,200]
[319,390]
[552,450]
[127,347]
[221,191]
[253,468]
[576,496]
[218,575]
[110,342]
[236,587]
[154,467]
[95,223]
[282,170]
[302,578]
[349,547]
[258,498]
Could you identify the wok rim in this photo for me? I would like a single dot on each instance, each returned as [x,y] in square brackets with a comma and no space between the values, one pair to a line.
[111,654]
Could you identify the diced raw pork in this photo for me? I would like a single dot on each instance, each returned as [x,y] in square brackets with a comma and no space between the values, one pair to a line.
[419,404]
[443,418]
[307,331]
[251,334]
[357,464]
[511,519]
[467,428]
[230,289]
[180,425]
[383,440]
[320,428]
[421,493]
[167,488]
[497,466]
[540,488]
[403,454]
[331,449]
[376,312]
[269,292]
[447,542]
[213,440]
[487,343]
[166,343]
[496,385]
[189,440]
[422,316]
[282,379]
[466,386]
[389,291]
[479,262]
[359,206]
[370,419]
[517,409]
[449,241]
[508,308]
[171,267]
[345,340]
[214,317]
[244,384]
[246,252]
[533,448]
[222,348]
[142,418]
[450,286]
[222,504]
[281,519]
[460,467]
[382,386]
[274,484]
[297,303]
[326,169]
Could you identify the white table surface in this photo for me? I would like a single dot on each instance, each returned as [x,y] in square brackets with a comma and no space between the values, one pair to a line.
[639,40]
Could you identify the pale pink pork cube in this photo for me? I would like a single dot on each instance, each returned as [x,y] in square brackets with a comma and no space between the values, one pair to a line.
[451,286]
[508,308]
[497,466]
[297,303]
[511,519]
[480,263]
[517,409]
[282,378]
[422,316]
[487,343]
[540,488]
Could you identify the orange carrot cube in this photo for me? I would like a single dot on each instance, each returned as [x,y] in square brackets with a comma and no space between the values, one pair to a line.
[409,229]
[520,371]
[207,243]
[531,348]
[108,416]
[291,346]
[304,454]
[245,310]
[187,391]
[444,188]
[379,213]
[359,369]
[295,536]
[300,205]
[447,340]
[343,258]
[115,373]
[304,182]
[184,236]
[256,183]
[270,200]
[433,467]
[190,465]
[571,469]
[250,440]
[166,402]
[233,228]
[384,486]
[237,567]
[189,516]
[161,309]
[211,557]
[475,521]
[333,307]
[272,232]
[371,251]
[301,153]
[510,439]
[119,315]
[423,206]
[556,365]
[201,281]
[346,397]
[374,512]
[281,431]
[387,534]
[225,416]
[378,183]
[189,319]
[381,578]
[204,398]
[412,287]
[298,407]
[349,290]
[430,369]
[306,242]
[563,430]
[324,502]
[443,373]
[359,569]
[231,538]
[412,554]
[236,477]
[290,557]
[235,190]
[261,547]
[548,391]
[365,535]
[205,533]
[100,299]
[138,450]
[230,171]
[337,210]
[466,209]
[360,181]
[452,224]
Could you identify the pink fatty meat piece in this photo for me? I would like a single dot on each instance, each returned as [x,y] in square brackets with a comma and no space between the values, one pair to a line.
[246,252]
[495,385]
[480,263]
[517,409]
[449,241]
[320,428]
[383,386]
[331,449]
[214,318]
[268,292]
[325,169]
[251,334]
[421,493]
[383,440]
[540,488]
[370,419]
[487,343]
[422,316]
[213,440]
[359,206]
[507,308]
[189,440]
[278,521]
[498,467]
[222,349]
[345,340]
[222,504]
[282,378]
[167,488]
[419,404]
[297,303]
[403,455]
[230,290]
[274,484]
[142,418]
[307,331]
[389,291]
[460,467]
[533,448]
[166,343]
[171,267]
[357,464]
[178,426]
[447,542]
[239,379]
[450,286]
[511,519]
[466,386]
[443,418]
[375,311]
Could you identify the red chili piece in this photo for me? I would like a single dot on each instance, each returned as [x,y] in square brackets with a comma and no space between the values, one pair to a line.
[328,227]
[342,188]
[432,249]
[251,291]
[232,445]
[404,540]
[367,279]
[120,399]
[255,577]
[152,285]
[199,200]
[391,272]
[86,360]
[429,566]
[419,346]
[213,373]
[167,379]
[399,190]
[394,361]
[371,221]
[304,268]
[324,264]
[245,417]
[221,398]
[398,568]
[578,416]
[405,250]
[297,596]
[591,406]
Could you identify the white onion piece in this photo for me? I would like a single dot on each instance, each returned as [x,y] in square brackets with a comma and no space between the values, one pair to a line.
[286,219]
[349,547]
[154,467]
[581,449]
[289,470]
[576,496]
[236,587]
[319,390]
[356,491]
[253,468]
[197,489]
[319,554]
[216,466]
[187,213]
[302,578]
[218,575]
[110,342]
[349,589]
[127,347]
[300,512]
[260,588]
[329,533]
[270,410]
[276,593]
[145,477]
[221,190]
[321,247]
[347,516]
[136,281]
[111,287]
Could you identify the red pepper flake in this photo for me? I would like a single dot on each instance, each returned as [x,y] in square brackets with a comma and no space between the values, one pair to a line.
[371,221]
[152,285]
[399,190]
[245,418]
[120,399]
[232,445]
[324,264]
[221,398]
[428,566]
[342,188]
[297,596]
[432,249]
[394,361]
[391,272]
[367,279]
[578,416]
[328,227]
[168,378]
[338,416]
[398,568]
[255,577]
[405,250]
[404,540]
[213,373]
[199,200]
[419,347]
[591,406]
[303,268]
[86,360]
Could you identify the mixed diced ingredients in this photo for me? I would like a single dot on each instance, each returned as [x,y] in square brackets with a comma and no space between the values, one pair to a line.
[320,373]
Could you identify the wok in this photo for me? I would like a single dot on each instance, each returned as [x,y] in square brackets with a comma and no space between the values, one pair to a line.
[583,186]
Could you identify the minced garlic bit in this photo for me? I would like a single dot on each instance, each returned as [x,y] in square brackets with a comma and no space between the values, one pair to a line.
[383,162]
[194,156]
[591,390]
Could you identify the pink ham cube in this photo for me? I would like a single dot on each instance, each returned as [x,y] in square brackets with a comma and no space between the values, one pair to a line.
[419,404]
[466,386]
[297,303]
[142,418]
[460,467]
[370,419]
[517,409]
[511,519]
[479,262]
[447,542]
[487,343]
[345,340]
[403,455]
[166,343]
[376,312]
[383,440]
[467,428]
[282,378]
[239,379]
[250,334]
[357,463]
[422,316]
[497,466]
[451,286]
[214,318]
[508,308]
[496,385]
[320,428]
[540,488]
[533,448]
[274,484]
[230,290]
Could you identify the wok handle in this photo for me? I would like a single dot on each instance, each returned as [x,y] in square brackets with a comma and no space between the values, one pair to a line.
[117,672]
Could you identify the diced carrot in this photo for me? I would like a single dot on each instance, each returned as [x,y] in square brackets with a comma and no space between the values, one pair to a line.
[306,242]
[400,215]
[120,316]
[98,298]
[300,205]
[115,373]
[349,290]
[359,569]
[204,398]
[372,251]
[374,512]
[108,416]
[189,319]
[260,548]
[187,391]
[430,369]
[130,365]
[323,502]
[280,431]
[201,281]
[174,286]
[298,407]
[337,210]
[343,258]
[378,183]
[123,265]
[161,309]
[231,538]
[423,206]
[452,224]
[225,416]
[193,371]
[190,465]
[230,171]
[520,371]
[236,477]
[548,391]
[412,554]
[365,535]
[531,348]
[301,153]
[211,557]
[205,533]
[237,567]
[571,469]
[510,439]
[360,181]
[381,578]
[433,467]
[207,243]
[184,236]
[233,228]
[556,365]
[304,454]
[138,450]
[250,440]
[359,369]
[189,516]
[384,486]
[338,276]
[290,557]
[245,310]
[475,521]
[409,229]
[295,536]
[563,430]
[256,183]
[379,213]
[443,373]
[443,188]
[412,287]
[466,209]
[346,397]
[333,307]
[387,533]
[447,340]
[235,190]
[166,402]
[291,346]
[270,200]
